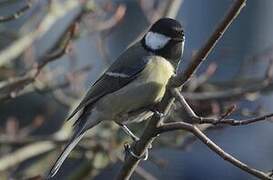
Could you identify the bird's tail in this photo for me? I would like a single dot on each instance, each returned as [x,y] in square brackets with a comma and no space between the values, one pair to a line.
[79,130]
[68,148]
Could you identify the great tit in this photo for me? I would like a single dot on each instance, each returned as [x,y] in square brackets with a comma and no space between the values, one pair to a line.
[135,81]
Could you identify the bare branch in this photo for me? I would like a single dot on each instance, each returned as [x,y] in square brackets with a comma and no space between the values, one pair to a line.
[237,89]
[172,8]
[261,85]
[214,147]
[11,88]
[234,122]
[17,48]
[16,14]
[113,20]
[25,153]
[198,81]
[183,102]
[204,120]
[150,131]
[209,45]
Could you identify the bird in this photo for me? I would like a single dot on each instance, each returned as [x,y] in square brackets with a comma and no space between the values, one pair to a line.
[129,89]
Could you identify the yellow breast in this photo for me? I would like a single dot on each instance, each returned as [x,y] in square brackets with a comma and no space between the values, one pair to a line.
[157,73]
[158,70]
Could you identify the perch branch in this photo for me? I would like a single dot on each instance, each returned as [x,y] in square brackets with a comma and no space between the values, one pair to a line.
[150,131]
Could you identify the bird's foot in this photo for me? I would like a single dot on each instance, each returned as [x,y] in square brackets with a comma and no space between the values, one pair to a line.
[154,109]
[157,113]
[128,150]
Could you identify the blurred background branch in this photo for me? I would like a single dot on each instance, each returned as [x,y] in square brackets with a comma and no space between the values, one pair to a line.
[16,14]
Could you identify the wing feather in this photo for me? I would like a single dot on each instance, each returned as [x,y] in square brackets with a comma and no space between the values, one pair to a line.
[129,64]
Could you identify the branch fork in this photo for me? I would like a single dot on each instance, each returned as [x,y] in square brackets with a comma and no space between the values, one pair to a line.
[156,125]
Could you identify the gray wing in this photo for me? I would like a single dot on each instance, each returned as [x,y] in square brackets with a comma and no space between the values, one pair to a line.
[130,63]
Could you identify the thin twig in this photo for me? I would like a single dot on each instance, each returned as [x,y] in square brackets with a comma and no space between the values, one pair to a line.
[237,92]
[234,122]
[214,147]
[222,120]
[16,14]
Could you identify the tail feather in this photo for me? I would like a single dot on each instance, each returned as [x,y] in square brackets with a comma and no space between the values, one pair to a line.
[70,145]
[80,127]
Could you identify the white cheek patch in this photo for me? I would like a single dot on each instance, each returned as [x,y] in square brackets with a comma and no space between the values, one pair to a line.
[155,40]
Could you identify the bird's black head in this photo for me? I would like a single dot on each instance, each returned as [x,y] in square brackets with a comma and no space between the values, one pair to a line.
[165,38]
